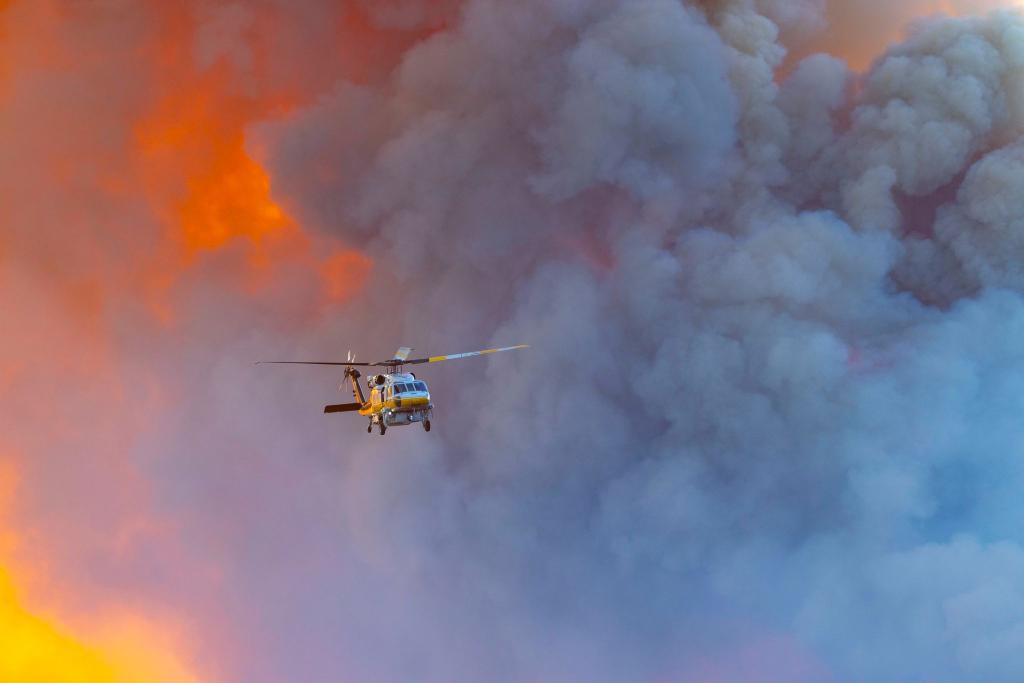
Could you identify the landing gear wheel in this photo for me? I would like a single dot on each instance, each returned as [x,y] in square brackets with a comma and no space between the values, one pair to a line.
[426,425]
[383,428]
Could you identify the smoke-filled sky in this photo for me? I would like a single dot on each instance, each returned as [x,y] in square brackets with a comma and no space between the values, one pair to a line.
[769,255]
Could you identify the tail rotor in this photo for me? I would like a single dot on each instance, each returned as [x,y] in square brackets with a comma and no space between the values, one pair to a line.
[352,377]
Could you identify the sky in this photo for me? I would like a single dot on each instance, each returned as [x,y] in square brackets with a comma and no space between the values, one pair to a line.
[767,255]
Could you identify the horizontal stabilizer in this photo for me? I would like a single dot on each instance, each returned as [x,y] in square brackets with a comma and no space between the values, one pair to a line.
[343,408]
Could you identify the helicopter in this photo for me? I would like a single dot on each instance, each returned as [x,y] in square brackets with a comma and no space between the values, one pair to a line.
[397,398]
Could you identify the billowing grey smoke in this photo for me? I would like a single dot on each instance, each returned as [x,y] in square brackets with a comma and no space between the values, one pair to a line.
[772,424]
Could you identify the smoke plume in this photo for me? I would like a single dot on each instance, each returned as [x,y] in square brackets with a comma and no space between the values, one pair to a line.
[768,428]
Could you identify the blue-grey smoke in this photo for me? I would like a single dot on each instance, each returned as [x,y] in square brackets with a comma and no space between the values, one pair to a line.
[771,426]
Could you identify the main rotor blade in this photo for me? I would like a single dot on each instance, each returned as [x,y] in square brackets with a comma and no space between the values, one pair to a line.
[395,361]
[308,362]
[456,356]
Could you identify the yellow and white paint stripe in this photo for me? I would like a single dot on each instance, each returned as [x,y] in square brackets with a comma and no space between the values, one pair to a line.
[456,356]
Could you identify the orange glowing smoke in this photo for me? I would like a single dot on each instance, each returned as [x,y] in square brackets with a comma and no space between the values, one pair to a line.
[344,272]
[226,194]
[860,32]
[226,197]
[38,649]
[192,153]
[124,184]
[4,4]
[200,177]
[132,179]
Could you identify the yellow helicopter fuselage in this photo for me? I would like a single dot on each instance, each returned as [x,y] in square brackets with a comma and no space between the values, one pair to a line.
[398,399]
[395,398]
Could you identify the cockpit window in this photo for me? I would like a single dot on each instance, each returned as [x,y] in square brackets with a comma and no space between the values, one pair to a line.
[407,387]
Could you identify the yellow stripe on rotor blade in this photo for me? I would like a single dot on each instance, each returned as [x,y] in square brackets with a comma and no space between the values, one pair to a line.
[456,356]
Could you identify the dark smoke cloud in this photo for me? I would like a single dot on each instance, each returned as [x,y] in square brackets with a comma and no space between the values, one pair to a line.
[769,428]
[735,424]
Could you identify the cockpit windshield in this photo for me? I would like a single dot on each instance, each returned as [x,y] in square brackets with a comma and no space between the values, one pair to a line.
[409,387]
